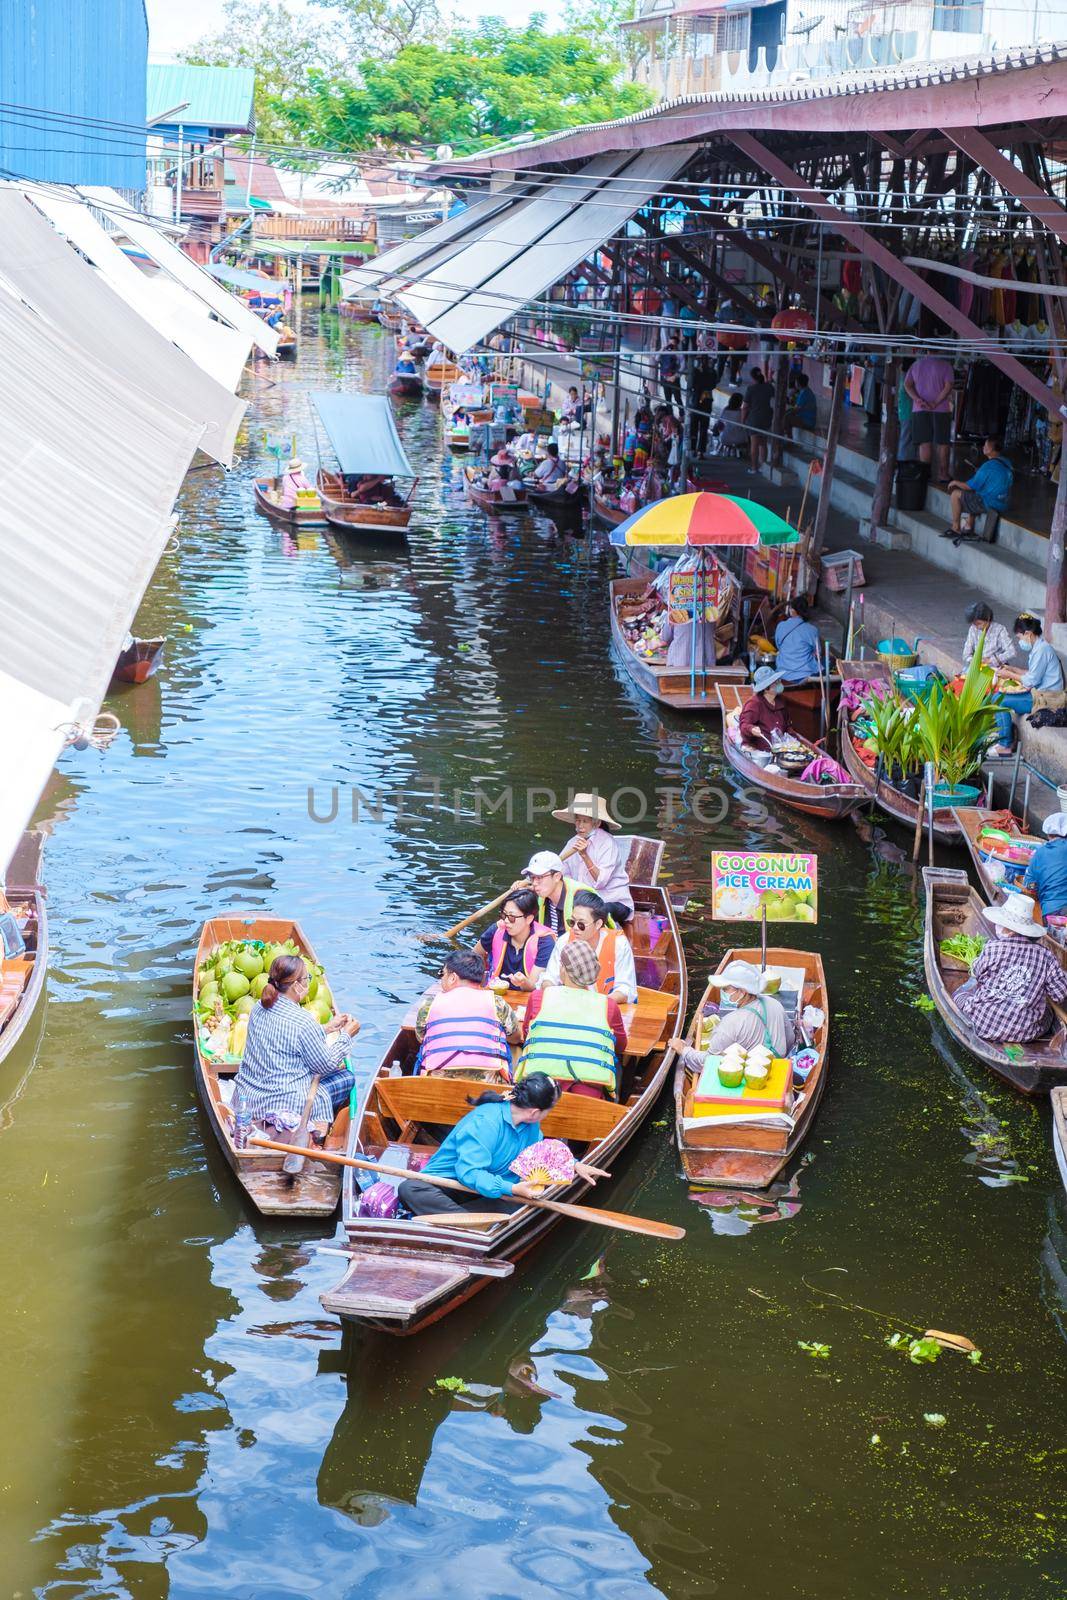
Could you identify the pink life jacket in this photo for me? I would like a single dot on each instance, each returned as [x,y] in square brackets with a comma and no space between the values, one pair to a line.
[529,950]
[463,1030]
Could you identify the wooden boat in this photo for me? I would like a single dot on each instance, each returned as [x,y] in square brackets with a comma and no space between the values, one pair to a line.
[439,373]
[315,1192]
[22,977]
[490,500]
[295,517]
[611,516]
[404,1275]
[286,347]
[357,310]
[746,1150]
[138,661]
[390,317]
[891,799]
[406,385]
[671,686]
[1059,1130]
[952,906]
[350,516]
[831,801]
[972,820]
[557,500]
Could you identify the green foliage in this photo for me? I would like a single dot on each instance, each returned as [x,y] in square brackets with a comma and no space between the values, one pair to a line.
[952,729]
[923,1002]
[892,732]
[484,87]
[601,21]
[281,48]
[453,1385]
[917,1351]
[818,1352]
[964,946]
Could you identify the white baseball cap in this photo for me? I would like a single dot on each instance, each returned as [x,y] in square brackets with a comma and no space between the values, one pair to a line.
[544,861]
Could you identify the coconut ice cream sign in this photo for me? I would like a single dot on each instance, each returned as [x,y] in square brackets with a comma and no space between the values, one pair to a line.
[750,886]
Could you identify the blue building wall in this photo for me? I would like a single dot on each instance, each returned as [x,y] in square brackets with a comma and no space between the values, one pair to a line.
[64,60]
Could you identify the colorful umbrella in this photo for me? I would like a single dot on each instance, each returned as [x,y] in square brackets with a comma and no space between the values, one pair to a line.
[704,520]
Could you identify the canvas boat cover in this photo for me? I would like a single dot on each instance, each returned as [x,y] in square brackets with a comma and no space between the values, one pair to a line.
[362,431]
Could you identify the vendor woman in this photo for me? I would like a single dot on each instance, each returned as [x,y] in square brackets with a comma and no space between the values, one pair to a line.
[762,716]
[798,644]
[998,646]
[286,1048]
[688,643]
[1046,875]
[596,861]
[1044,676]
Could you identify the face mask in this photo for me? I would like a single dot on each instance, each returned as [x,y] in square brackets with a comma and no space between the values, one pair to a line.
[1026,645]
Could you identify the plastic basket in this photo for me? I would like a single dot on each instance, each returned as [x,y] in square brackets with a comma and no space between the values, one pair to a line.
[963,794]
[896,659]
[915,688]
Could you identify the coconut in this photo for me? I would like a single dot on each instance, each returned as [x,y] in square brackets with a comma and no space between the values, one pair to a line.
[209,993]
[730,1073]
[319,1009]
[245,1003]
[247,962]
[258,985]
[756,1074]
[271,954]
[313,988]
[234,986]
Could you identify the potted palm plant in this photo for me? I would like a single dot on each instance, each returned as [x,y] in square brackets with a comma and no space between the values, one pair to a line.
[952,731]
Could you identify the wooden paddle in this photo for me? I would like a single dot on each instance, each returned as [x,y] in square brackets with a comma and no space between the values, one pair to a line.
[605,1219]
[476,916]
[293,1166]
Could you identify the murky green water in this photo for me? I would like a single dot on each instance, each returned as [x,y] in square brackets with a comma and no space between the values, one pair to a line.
[180,1417]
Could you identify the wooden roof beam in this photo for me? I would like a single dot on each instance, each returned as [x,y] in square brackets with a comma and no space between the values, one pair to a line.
[1011,179]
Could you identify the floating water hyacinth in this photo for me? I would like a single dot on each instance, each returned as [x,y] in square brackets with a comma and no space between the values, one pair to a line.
[546,1163]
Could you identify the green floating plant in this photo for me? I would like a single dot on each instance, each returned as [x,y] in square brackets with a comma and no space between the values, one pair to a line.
[818,1352]
[453,1385]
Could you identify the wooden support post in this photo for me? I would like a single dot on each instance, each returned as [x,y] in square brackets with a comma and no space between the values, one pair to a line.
[888,445]
[1056,571]
[833,433]
[781,384]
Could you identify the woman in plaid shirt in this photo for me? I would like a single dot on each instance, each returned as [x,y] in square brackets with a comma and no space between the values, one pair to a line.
[1006,997]
[286,1047]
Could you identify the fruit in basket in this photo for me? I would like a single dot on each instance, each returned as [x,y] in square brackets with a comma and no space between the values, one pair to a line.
[234,985]
[248,963]
[259,983]
[243,1005]
[208,993]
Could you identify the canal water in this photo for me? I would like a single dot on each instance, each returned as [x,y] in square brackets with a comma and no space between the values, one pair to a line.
[718,1417]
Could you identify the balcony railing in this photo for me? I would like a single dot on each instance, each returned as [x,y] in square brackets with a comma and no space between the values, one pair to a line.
[333,229]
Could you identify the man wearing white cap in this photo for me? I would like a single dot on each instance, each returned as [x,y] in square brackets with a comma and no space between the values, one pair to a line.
[555,893]
[759,1019]
[598,862]
[1006,999]
[1047,873]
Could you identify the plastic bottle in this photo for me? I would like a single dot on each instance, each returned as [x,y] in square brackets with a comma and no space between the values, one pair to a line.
[242,1121]
[396,1070]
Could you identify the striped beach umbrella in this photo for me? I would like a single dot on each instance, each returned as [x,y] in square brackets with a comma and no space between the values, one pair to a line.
[704,521]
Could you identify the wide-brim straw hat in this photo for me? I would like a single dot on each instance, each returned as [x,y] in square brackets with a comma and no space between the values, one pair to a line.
[296,465]
[739,975]
[1016,914]
[588,805]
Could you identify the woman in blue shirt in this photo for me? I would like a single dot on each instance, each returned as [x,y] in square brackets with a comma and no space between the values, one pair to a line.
[1047,873]
[481,1148]
[1043,675]
[798,644]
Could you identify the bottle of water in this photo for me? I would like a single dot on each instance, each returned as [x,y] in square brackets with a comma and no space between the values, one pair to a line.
[396,1070]
[242,1121]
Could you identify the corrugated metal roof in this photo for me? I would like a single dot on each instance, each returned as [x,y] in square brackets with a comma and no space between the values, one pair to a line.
[218,97]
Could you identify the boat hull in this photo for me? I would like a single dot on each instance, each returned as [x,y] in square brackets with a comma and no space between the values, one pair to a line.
[295,517]
[138,661]
[892,800]
[26,893]
[406,387]
[832,802]
[970,821]
[1059,1131]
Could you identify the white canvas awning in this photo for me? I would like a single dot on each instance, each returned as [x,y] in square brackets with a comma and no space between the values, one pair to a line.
[166,254]
[176,312]
[41,267]
[492,271]
[88,476]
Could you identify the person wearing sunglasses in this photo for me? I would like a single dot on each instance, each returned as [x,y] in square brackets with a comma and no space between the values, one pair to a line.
[519,947]
[588,925]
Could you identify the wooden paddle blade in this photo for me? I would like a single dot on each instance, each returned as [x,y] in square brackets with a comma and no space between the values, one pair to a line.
[462,1219]
[615,1219]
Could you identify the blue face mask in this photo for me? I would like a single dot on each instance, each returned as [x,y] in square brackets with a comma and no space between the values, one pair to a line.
[1026,645]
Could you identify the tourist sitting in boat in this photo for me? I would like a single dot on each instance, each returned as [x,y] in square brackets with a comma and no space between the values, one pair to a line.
[286,1047]
[798,644]
[551,471]
[575,1031]
[293,482]
[438,356]
[588,925]
[596,860]
[1043,676]
[757,1018]
[1046,874]
[555,892]
[465,1024]
[998,646]
[763,722]
[480,1149]
[520,945]
[1006,998]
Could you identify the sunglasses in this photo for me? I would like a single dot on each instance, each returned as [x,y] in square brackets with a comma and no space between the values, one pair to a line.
[512,916]
[579,927]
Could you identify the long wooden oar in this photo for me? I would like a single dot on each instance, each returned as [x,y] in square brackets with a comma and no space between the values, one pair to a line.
[293,1166]
[476,916]
[606,1219]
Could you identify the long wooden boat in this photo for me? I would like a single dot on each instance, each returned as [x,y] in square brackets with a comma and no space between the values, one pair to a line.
[1059,1130]
[350,516]
[390,317]
[438,373]
[294,517]
[405,1275]
[557,500]
[22,977]
[830,801]
[489,500]
[891,799]
[406,385]
[748,1149]
[287,347]
[138,661]
[315,1192]
[972,821]
[953,906]
[357,310]
[611,516]
[671,686]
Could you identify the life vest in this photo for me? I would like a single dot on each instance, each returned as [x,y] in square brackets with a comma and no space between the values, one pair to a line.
[605,983]
[571,1040]
[463,1030]
[529,950]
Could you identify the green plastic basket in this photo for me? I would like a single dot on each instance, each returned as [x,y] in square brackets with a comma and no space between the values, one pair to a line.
[962,795]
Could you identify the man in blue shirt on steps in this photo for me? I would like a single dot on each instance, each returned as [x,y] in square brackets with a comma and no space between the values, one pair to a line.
[988,490]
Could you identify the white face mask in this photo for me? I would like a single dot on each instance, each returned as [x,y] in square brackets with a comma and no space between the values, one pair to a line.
[1026,645]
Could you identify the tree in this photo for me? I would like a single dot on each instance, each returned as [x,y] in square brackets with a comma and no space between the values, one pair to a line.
[283,50]
[487,85]
[602,21]
[384,27]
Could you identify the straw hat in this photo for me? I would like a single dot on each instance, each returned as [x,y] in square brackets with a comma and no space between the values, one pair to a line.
[1016,914]
[296,465]
[588,805]
[501,459]
[579,962]
[766,678]
[738,975]
[1055,827]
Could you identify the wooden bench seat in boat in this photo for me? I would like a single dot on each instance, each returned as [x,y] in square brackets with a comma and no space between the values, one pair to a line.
[444,1101]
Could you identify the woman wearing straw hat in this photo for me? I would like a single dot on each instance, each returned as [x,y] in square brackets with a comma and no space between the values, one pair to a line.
[293,483]
[597,862]
[1006,999]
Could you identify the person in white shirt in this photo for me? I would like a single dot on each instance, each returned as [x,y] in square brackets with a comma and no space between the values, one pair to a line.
[587,924]
[596,860]
[998,646]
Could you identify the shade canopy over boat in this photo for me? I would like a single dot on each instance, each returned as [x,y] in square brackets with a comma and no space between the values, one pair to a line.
[701,521]
[363,433]
[258,282]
